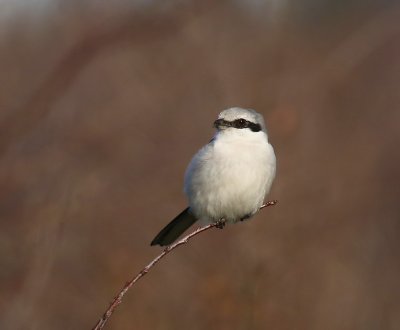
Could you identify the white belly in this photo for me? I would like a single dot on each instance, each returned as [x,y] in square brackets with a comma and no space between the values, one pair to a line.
[229,181]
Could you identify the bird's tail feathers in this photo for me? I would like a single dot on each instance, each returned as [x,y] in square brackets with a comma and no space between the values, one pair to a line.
[175,228]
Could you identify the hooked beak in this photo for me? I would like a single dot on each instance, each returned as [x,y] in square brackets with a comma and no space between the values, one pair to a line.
[221,123]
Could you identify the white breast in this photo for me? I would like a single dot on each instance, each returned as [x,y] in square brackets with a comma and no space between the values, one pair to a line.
[230,177]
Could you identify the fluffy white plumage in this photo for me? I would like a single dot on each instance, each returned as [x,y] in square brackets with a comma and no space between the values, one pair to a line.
[229,177]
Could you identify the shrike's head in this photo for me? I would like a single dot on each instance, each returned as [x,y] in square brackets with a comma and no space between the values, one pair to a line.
[240,121]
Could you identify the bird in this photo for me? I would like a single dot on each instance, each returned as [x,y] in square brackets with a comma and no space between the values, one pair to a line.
[229,178]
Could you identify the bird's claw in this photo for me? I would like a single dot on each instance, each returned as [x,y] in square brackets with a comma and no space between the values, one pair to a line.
[220,224]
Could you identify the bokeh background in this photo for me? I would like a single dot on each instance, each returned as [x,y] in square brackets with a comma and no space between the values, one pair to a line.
[102,105]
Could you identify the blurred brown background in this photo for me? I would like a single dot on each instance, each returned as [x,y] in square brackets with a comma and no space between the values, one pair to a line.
[103,103]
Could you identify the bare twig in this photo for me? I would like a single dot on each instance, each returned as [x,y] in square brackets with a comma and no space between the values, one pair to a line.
[118,299]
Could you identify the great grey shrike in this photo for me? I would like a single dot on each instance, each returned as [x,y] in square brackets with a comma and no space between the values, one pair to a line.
[229,177]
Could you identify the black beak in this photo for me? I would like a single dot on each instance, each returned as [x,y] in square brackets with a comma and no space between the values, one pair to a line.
[220,123]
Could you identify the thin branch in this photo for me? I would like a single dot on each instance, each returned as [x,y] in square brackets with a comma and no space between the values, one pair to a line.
[118,299]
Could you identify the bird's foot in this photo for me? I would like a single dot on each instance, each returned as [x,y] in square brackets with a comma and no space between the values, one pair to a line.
[220,224]
[247,216]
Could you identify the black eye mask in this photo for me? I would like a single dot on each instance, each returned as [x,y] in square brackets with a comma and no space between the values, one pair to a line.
[239,124]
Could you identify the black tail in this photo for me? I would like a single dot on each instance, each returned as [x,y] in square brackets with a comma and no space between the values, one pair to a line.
[175,228]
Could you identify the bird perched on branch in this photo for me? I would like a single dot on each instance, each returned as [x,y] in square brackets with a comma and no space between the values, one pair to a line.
[229,177]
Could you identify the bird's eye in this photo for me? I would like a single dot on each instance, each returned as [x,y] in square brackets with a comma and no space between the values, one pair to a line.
[241,122]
